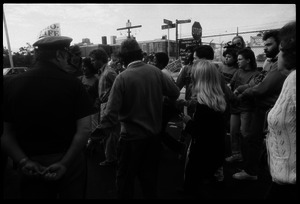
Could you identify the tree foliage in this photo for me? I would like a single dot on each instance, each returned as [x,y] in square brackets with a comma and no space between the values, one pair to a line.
[23,58]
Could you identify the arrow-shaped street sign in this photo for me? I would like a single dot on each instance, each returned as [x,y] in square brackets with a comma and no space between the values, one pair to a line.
[168,26]
[168,22]
[183,21]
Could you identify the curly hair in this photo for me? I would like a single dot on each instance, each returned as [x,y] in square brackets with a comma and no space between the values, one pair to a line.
[87,62]
[272,33]
[232,50]
[99,54]
[287,35]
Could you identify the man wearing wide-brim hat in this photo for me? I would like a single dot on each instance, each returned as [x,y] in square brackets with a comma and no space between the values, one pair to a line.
[47,45]
[46,124]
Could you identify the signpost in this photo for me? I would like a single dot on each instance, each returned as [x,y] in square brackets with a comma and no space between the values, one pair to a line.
[169,25]
[167,22]
[184,21]
[179,22]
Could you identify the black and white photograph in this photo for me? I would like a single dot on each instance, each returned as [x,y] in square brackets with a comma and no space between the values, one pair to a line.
[149,101]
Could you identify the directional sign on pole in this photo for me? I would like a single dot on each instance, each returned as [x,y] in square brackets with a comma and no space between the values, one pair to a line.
[168,26]
[183,21]
[168,22]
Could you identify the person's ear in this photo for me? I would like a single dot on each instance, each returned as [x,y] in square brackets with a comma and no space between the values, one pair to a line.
[60,55]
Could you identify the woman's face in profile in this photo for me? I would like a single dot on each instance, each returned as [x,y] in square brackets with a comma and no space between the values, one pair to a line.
[281,64]
[242,62]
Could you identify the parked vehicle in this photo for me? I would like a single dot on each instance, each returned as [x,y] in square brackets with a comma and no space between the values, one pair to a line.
[14,70]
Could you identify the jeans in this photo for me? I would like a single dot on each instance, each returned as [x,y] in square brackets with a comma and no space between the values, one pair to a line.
[255,144]
[239,130]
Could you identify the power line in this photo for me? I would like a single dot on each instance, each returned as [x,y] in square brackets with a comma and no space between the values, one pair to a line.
[266,26]
[234,33]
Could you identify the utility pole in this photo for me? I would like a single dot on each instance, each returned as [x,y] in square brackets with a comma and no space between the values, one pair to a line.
[168,42]
[128,27]
[8,43]
[176,33]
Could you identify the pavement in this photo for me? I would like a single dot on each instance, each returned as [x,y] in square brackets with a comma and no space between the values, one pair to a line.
[101,180]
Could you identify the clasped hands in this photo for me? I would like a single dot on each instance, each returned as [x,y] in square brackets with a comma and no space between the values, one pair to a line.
[51,173]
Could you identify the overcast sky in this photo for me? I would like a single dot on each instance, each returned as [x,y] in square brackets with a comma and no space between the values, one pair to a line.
[78,21]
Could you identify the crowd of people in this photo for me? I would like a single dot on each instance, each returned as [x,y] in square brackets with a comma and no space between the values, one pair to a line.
[65,106]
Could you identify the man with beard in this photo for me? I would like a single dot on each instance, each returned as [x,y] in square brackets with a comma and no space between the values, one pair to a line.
[264,89]
[271,42]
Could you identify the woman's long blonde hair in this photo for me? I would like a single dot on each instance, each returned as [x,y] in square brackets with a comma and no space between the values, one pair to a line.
[207,85]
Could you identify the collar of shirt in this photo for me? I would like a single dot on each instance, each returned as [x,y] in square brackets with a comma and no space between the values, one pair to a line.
[273,59]
[134,62]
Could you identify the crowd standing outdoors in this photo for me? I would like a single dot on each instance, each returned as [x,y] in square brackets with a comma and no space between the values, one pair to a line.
[125,103]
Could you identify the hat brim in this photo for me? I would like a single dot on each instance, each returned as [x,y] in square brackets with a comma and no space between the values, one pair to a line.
[53,42]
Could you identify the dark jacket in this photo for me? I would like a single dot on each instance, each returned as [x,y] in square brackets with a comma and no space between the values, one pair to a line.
[208,136]
[266,92]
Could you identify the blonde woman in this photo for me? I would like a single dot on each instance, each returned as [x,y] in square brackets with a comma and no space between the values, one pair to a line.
[207,127]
